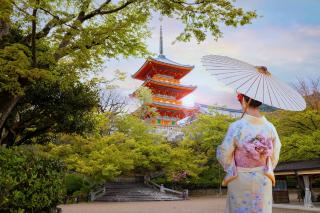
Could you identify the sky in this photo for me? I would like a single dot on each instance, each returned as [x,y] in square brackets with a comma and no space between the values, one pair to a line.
[285,38]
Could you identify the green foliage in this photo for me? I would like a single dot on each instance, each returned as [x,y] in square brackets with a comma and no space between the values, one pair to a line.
[130,149]
[206,133]
[76,184]
[299,134]
[50,109]
[96,158]
[6,10]
[16,69]
[29,180]
[184,159]
[144,95]
[202,137]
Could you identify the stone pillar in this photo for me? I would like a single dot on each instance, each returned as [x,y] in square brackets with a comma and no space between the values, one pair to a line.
[185,194]
[92,197]
[161,188]
[307,195]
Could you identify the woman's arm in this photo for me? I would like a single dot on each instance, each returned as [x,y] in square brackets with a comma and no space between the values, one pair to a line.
[276,148]
[225,154]
[226,148]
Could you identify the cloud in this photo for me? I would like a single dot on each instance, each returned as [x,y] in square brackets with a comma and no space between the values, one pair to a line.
[312,31]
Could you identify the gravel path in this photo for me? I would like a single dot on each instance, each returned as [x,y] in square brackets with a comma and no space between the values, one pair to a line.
[194,205]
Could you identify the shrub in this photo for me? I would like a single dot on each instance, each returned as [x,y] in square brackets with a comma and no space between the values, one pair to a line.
[29,180]
[77,186]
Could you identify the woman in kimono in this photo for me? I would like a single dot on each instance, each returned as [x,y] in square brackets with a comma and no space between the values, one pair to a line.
[248,154]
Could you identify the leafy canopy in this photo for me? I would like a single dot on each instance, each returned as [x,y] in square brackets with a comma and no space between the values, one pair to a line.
[29,180]
[299,134]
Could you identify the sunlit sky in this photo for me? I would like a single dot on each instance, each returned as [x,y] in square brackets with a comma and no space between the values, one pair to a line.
[285,38]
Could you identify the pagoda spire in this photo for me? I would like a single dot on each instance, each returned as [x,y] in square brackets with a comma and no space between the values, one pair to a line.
[161,38]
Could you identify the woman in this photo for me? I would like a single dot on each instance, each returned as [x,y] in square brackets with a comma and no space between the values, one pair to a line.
[248,154]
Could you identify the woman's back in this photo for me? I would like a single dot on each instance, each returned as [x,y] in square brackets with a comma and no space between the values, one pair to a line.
[254,143]
[249,153]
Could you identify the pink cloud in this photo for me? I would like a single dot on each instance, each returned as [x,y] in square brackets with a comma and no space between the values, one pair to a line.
[312,31]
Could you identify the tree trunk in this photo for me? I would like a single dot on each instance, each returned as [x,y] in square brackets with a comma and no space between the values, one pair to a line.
[9,102]
[6,9]
[9,139]
[4,28]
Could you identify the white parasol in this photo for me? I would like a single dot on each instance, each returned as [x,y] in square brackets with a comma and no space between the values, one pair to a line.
[255,82]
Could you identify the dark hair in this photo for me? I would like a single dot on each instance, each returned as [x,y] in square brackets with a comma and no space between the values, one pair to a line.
[253,103]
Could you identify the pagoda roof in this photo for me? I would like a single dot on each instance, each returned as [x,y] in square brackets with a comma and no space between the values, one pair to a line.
[180,110]
[161,60]
[168,84]
[177,90]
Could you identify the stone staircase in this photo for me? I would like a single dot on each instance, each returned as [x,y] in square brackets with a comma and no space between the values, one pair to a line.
[123,192]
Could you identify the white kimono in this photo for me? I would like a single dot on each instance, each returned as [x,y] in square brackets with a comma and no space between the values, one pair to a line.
[248,154]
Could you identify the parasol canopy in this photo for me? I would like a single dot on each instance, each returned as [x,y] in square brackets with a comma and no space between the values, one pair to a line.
[255,82]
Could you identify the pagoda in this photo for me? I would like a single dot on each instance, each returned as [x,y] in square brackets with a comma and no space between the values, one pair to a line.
[162,76]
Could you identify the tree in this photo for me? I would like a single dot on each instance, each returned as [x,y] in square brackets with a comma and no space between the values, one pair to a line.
[49,110]
[144,98]
[299,133]
[30,181]
[130,149]
[111,101]
[6,10]
[49,40]
[203,136]
[310,90]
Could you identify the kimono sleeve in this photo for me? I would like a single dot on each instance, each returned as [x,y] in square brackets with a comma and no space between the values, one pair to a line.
[276,148]
[226,149]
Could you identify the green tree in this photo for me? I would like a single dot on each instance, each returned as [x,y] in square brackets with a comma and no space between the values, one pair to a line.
[203,136]
[98,158]
[144,98]
[131,148]
[299,133]
[29,180]
[50,109]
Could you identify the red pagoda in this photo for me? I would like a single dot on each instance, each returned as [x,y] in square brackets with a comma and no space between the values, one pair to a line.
[162,76]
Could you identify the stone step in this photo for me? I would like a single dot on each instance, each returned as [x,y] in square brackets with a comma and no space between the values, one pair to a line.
[116,199]
[124,192]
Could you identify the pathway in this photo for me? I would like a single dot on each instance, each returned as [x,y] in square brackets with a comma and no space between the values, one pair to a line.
[194,205]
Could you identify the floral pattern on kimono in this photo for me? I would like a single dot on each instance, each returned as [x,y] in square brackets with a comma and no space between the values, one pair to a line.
[249,142]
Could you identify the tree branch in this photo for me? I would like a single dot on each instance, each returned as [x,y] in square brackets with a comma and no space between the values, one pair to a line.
[48,27]
[100,12]
[32,134]
[33,35]
[97,11]
[20,9]
[60,21]
[313,123]
[81,18]
[302,125]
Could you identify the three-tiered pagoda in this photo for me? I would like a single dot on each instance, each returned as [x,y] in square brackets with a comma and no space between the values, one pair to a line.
[163,76]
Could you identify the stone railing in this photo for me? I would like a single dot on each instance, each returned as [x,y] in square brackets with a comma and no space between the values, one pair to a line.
[98,193]
[184,194]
